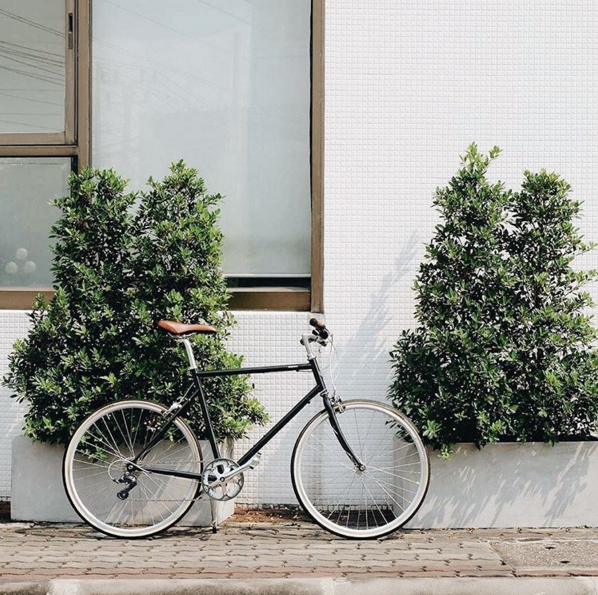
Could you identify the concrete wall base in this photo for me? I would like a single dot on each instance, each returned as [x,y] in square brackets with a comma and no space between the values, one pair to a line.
[306,586]
[502,485]
[37,492]
[513,485]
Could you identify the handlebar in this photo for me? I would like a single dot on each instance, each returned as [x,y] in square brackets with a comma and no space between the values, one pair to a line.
[319,328]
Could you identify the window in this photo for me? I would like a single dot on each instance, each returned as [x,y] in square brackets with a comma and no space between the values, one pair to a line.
[44,134]
[231,86]
[27,182]
[234,88]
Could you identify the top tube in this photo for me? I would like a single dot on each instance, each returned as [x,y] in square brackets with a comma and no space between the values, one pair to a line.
[258,370]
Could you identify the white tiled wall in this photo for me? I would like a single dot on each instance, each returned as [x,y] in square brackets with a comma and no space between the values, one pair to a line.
[408,86]
[12,326]
[269,339]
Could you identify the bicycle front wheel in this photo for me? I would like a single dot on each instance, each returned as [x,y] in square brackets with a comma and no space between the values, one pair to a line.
[131,503]
[362,504]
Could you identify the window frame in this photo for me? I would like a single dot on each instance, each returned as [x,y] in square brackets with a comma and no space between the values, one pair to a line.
[287,298]
[66,137]
[76,142]
[317,156]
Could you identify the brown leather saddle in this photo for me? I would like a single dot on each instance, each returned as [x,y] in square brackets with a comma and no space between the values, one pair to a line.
[177,328]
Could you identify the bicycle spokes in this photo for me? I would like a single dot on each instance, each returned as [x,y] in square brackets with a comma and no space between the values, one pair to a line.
[356,501]
[119,496]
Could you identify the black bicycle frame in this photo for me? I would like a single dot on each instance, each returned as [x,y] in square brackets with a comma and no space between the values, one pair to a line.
[199,394]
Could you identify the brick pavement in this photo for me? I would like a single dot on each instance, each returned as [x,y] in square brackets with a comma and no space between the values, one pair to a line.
[298,550]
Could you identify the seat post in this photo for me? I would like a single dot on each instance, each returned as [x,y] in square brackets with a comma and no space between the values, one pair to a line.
[190,355]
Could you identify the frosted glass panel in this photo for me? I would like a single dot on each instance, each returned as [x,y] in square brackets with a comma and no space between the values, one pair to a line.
[224,85]
[27,185]
[32,66]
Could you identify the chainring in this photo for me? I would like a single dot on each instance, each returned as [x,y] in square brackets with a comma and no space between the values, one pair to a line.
[211,480]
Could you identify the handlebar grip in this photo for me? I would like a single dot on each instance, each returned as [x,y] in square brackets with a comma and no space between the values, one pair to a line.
[320,328]
[316,324]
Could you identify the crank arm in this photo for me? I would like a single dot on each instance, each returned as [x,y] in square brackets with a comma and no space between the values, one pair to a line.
[254,462]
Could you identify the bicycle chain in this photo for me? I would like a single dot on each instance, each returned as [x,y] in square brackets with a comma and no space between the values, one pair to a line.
[163,500]
[185,500]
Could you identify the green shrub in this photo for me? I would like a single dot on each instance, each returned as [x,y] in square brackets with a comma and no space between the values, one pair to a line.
[122,262]
[504,349]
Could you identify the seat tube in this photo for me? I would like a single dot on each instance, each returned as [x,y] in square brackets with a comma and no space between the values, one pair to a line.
[206,415]
[190,356]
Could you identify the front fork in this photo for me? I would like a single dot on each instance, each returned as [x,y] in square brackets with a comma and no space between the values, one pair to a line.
[330,409]
[339,433]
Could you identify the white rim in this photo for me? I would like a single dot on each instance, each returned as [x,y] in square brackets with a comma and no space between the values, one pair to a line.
[76,500]
[367,533]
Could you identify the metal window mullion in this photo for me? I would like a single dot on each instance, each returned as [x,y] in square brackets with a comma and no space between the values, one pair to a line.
[32,138]
[82,88]
[70,42]
[317,155]
[38,150]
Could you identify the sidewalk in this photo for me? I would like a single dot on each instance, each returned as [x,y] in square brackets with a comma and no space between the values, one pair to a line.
[293,550]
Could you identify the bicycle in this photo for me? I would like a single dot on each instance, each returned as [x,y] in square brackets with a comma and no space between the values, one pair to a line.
[134,468]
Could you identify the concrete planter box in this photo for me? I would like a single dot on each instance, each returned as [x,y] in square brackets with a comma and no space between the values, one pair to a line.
[37,493]
[513,485]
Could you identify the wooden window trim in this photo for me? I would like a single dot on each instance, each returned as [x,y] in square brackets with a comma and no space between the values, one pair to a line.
[32,138]
[39,151]
[267,298]
[317,156]
[255,298]
[20,298]
[83,91]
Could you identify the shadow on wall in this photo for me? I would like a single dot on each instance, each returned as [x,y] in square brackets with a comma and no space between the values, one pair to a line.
[513,484]
[368,362]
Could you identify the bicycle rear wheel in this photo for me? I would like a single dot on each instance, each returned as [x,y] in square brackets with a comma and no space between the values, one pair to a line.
[361,504]
[95,464]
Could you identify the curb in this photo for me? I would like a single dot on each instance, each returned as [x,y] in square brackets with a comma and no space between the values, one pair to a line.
[469,586]
[306,586]
[24,587]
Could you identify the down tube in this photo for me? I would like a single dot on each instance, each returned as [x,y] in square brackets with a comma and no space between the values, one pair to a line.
[281,424]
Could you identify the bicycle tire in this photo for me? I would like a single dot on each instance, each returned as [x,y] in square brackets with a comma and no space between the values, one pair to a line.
[351,511]
[194,461]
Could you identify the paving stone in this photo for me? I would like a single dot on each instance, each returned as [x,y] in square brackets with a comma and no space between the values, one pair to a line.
[246,564]
[488,573]
[543,572]
[293,570]
[424,573]
[434,565]
[270,562]
[355,563]
[404,566]
[384,570]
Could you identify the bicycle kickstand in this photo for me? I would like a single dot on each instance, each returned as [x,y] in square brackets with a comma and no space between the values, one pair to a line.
[214,515]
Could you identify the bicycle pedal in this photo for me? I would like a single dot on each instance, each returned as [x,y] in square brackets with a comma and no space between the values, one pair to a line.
[255,461]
